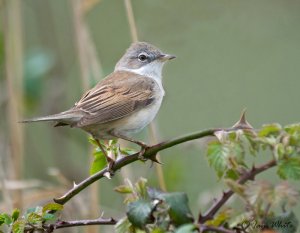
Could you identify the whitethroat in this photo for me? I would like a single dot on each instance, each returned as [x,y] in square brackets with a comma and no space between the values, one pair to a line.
[124,102]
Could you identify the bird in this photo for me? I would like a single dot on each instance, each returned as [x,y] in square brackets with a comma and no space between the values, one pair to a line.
[121,104]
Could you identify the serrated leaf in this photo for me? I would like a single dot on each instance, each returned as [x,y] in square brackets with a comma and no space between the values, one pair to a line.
[270,129]
[52,207]
[18,226]
[217,157]
[15,214]
[98,163]
[187,228]
[289,168]
[139,213]
[284,223]
[125,189]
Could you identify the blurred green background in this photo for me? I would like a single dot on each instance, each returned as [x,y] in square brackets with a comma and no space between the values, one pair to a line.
[231,55]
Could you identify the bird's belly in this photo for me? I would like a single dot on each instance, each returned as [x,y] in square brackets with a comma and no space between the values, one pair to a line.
[127,125]
[138,120]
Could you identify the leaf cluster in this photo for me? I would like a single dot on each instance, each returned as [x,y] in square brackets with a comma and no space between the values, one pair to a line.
[151,210]
[32,220]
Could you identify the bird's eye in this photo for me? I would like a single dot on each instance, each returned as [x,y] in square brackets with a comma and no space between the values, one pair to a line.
[142,57]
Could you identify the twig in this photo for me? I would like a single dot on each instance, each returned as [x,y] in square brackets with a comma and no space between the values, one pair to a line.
[64,224]
[150,153]
[249,175]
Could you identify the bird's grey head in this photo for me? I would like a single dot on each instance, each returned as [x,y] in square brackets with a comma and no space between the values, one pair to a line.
[143,58]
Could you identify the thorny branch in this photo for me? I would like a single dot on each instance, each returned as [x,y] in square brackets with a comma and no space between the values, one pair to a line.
[149,153]
[249,175]
[64,224]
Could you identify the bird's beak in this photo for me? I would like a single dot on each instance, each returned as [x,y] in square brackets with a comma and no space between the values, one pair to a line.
[166,57]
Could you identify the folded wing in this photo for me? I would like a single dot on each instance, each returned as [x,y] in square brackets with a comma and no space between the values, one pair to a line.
[119,95]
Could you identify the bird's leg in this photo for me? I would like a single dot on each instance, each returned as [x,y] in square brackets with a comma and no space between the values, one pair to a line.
[109,160]
[143,145]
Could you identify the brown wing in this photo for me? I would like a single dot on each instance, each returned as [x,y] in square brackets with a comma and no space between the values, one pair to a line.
[115,97]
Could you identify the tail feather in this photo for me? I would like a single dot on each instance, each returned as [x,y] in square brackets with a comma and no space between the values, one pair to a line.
[63,117]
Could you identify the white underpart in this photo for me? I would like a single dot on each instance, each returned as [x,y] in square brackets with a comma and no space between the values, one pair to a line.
[152,70]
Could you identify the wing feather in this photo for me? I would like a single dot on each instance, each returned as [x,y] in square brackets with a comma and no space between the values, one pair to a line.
[119,95]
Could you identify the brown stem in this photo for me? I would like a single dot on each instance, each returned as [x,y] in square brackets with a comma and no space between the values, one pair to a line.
[64,224]
[249,175]
[149,153]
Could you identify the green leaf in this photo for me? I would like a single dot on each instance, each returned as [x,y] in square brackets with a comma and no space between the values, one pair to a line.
[270,129]
[158,230]
[127,151]
[289,168]
[93,141]
[141,188]
[123,226]
[2,219]
[292,129]
[187,228]
[125,189]
[232,174]
[15,214]
[5,218]
[139,213]
[235,187]
[179,210]
[52,207]
[99,162]
[34,218]
[284,223]
[18,226]
[216,154]
[220,218]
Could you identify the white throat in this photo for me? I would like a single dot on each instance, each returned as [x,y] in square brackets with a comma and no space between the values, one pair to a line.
[152,70]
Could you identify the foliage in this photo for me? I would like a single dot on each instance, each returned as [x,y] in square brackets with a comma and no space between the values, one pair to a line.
[265,205]
[33,219]
[152,210]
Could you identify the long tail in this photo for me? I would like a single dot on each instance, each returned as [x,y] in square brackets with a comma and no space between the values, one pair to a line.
[67,117]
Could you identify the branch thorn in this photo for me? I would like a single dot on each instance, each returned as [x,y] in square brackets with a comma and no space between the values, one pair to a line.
[242,123]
